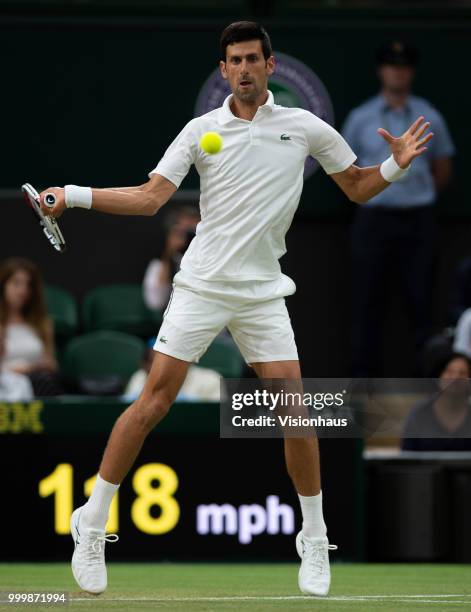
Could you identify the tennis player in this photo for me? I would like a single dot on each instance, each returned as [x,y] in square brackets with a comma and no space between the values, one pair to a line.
[230,275]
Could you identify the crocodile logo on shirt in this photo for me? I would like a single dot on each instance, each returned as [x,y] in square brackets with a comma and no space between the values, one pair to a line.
[163,339]
[285,137]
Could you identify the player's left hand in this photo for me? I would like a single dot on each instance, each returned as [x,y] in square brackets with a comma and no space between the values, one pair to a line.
[410,145]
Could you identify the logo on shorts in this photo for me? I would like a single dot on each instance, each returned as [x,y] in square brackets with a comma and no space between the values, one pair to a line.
[285,137]
[163,339]
[293,85]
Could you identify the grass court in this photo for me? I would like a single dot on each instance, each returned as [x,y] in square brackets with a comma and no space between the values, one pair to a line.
[249,587]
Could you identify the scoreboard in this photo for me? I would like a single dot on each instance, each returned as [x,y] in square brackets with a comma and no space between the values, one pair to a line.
[190,495]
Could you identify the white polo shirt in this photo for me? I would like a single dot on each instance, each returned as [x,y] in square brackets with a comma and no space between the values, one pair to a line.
[251,189]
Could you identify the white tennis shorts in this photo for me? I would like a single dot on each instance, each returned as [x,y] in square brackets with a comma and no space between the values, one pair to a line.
[254,312]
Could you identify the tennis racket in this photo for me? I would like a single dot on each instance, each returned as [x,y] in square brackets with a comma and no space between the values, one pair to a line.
[49,225]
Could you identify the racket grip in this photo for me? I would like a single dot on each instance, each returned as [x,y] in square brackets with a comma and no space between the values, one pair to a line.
[50,200]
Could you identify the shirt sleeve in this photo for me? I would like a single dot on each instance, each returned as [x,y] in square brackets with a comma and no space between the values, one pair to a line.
[178,158]
[462,341]
[441,143]
[327,146]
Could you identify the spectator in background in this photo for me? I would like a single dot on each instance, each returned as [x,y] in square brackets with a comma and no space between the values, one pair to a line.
[181,226]
[445,420]
[201,384]
[394,231]
[462,340]
[13,387]
[29,335]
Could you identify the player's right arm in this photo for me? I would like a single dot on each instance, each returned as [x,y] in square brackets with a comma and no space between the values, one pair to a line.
[144,199]
[362,184]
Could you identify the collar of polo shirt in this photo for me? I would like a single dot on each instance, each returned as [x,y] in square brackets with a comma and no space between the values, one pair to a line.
[226,115]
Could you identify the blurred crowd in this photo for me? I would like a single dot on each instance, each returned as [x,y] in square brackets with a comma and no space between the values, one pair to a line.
[31,354]
[27,348]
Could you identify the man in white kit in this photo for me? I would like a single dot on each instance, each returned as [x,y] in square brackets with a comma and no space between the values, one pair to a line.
[230,275]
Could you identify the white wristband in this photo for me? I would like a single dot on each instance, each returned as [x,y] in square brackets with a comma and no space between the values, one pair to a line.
[391,171]
[78,197]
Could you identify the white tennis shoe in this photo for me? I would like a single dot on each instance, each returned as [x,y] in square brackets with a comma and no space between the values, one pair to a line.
[314,573]
[88,560]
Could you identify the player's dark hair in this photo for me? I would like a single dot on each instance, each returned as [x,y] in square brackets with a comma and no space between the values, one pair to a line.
[34,310]
[437,357]
[240,31]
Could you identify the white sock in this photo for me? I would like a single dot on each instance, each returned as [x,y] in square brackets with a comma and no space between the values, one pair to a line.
[95,512]
[313,520]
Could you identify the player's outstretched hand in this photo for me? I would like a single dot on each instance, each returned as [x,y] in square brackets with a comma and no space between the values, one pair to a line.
[411,144]
[59,206]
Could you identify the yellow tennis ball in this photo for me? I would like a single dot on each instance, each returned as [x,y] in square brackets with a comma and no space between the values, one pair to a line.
[211,142]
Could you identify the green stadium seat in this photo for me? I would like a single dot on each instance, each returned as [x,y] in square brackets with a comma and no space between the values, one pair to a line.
[120,308]
[62,309]
[224,357]
[102,354]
